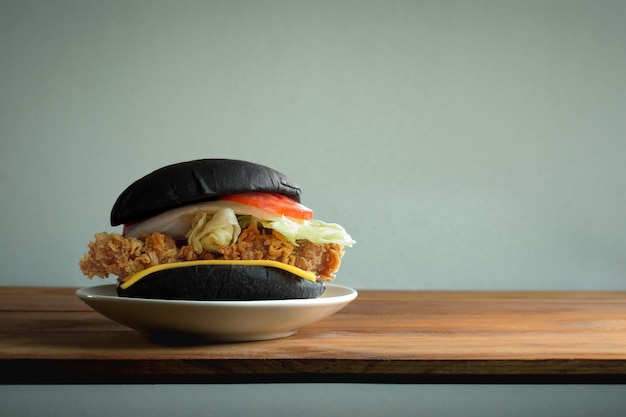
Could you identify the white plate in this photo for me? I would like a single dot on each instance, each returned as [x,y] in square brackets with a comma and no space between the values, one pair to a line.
[223,321]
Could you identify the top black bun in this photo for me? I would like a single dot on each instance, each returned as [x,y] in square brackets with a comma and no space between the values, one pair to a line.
[196,181]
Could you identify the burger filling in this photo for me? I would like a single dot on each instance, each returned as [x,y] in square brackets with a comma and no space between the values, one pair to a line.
[218,230]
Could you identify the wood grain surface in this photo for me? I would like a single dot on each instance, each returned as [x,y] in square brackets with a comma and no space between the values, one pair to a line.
[48,335]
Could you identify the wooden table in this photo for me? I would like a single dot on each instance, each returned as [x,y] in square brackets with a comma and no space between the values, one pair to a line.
[47,335]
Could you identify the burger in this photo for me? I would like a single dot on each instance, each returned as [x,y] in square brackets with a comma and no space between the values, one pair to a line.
[216,229]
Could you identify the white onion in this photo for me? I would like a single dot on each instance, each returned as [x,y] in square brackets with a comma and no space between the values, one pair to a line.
[177,222]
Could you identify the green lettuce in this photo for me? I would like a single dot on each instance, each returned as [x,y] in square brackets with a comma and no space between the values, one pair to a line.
[212,231]
[316,231]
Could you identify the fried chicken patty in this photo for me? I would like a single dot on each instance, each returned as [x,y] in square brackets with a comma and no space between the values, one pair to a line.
[112,253]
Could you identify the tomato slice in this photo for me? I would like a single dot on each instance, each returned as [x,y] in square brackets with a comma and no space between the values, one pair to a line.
[274,202]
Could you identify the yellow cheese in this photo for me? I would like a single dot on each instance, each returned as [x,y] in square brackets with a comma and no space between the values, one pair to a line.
[272,264]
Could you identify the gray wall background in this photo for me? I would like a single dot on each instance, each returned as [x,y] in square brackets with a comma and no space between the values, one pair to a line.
[464,144]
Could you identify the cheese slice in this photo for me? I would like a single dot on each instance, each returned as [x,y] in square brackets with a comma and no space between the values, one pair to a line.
[271,264]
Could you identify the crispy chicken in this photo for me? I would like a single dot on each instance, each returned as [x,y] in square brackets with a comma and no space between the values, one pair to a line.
[112,253]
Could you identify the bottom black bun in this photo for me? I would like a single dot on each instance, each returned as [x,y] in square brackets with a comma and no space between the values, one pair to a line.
[222,282]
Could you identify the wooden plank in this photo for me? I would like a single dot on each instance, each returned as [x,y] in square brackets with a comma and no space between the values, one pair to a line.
[383,336]
[40,299]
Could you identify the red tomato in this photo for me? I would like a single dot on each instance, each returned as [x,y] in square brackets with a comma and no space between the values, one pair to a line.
[276,203]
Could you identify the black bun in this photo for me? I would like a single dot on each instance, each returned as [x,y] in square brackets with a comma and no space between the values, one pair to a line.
[196,181]
[223,282]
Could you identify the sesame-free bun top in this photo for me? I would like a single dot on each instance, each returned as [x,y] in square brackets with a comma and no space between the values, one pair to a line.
[196,181]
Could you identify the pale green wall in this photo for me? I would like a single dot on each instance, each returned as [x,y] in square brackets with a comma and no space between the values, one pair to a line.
[316,400]
[464,144]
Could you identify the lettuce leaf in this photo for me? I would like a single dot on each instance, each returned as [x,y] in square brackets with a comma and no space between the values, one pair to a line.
[317,231]
[212,231]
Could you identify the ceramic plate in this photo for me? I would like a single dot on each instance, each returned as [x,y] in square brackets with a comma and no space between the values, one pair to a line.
[223,321]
